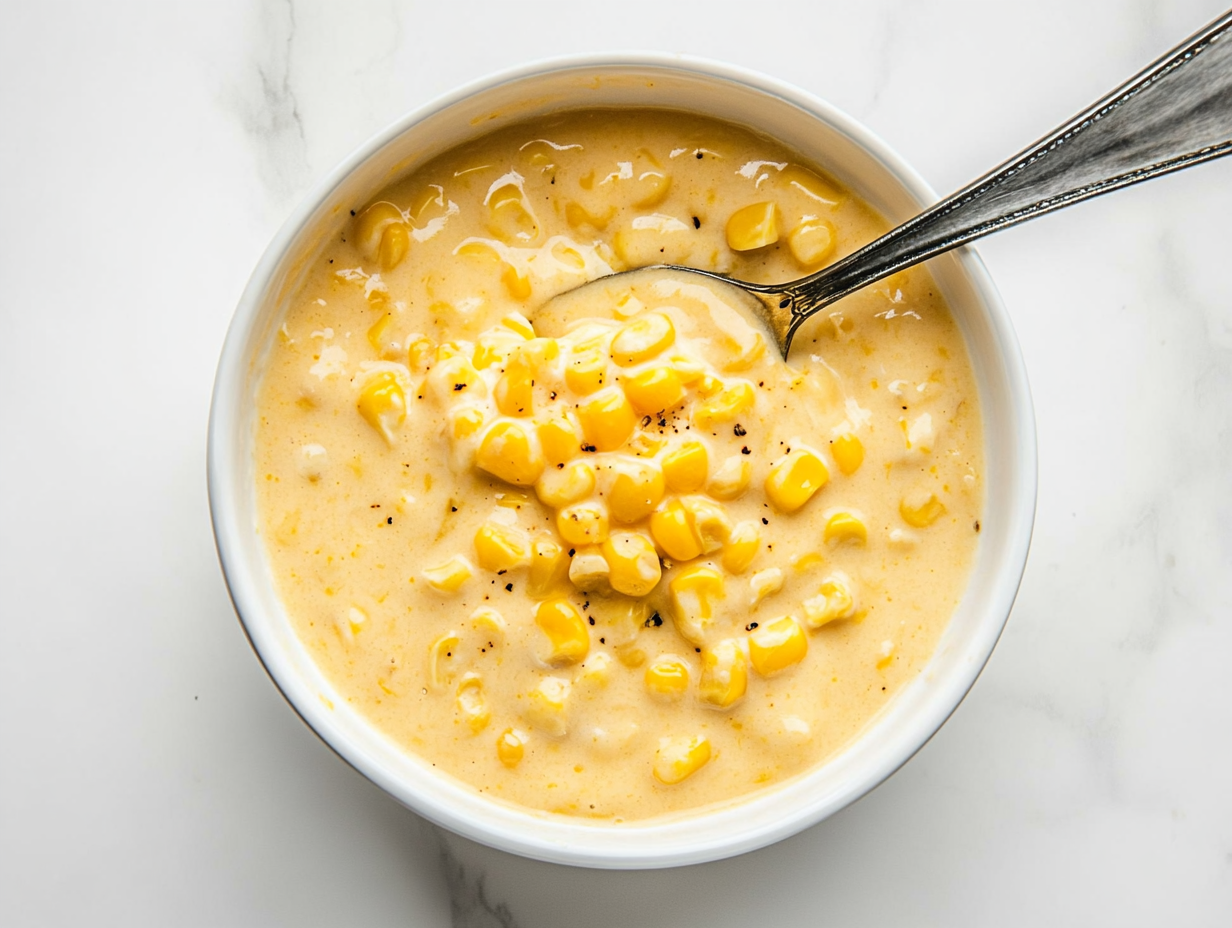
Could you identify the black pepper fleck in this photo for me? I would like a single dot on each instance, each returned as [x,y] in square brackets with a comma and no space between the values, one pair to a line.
[654,621]
[765,521]
[508,587]
[697,223]
[739,431]
[750,626]
[745,450]
[389,521]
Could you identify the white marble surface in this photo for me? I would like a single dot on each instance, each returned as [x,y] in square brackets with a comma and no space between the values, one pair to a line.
[149,772]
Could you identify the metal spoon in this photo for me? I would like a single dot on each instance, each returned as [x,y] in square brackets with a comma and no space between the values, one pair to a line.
[1173,114]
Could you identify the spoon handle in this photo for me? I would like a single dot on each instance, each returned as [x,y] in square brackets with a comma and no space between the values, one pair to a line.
[1173,114]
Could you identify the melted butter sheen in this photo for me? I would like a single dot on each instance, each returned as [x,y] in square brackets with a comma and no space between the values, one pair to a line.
[614,558]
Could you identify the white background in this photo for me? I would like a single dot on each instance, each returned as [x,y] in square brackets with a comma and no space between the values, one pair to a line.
[149,772]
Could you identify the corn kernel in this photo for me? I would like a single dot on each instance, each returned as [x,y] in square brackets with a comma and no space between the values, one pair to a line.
[724,406]
[466,422]
[517,283]
[833,602]
[777,645]
[725,674]
[455,378]
[641,338]
[764,583]
[795,478]
[568,637]
[510,747]
[440,651]
[607,419]
[671,526]
[501,547]
[742,547]
[395,243]
[506,451]
[514,391]
[583,524]
[519,324]
[549,569]
[508,217]
[449,576]
[635,492]
[472,705]
[577,215]
[848,453]
[420,352]
[711,525]
[654,390]
[487,621]
[559,439]
[921,509]
[731,479]
[547,706]
[586,370]
[381,337]
[370,226]
[652,189]
[812,241]
[844,527]
[558,487]
[495,346]
[383,405]
[589,570]
[680,757]
[752,227]
[693,593]
[686,468]
[667,678]
[885,654]
[633,563]
[811,185]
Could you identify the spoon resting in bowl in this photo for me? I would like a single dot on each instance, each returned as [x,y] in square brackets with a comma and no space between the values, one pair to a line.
[1175,113]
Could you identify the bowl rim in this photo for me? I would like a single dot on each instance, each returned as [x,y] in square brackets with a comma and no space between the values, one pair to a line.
[239,575]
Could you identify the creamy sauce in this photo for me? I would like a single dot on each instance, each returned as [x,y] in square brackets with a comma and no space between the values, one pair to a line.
[615,559]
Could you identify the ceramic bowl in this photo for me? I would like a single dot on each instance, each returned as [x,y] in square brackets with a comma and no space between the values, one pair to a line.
[868,167]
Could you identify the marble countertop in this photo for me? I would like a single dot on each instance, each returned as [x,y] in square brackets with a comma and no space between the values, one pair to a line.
[150,774]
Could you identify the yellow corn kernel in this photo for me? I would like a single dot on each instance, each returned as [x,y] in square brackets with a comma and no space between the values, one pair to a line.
[568,637]
[380,336]
[777,645]
[846,526]
[549,569]
[680,757]
[487,621]
[589,570]
[671,526]
[686,468]
[710,522]
[812,241]
[501,547]
[449,576]
[752,227]
[833,602]
[885,654]
[516,282]
[383,404]
[466,422]
[507,451]
[577,215]
[921,509]
[732,478]
[795,478]
[548,704]
[654,390]
[725,674]
[510,747]
[742,547]
[519,324]
[445,350]
[635,492]
[514,391]
[440,651]
[596,670]
[454,378]
[472,705]
[583,524]
[586,370]
[693,594]
[370,225]
[395,242]
[633,563]
[558,487]
[644,445]
[667,678]
[641,338]
[811,185]
[607,419]
[652,189]
[559,439]
[508,218]
[494,346]
[848,453]
[765,583]
[420,353]
[725,405]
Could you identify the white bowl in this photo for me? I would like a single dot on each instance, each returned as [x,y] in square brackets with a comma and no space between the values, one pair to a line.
[874,172]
